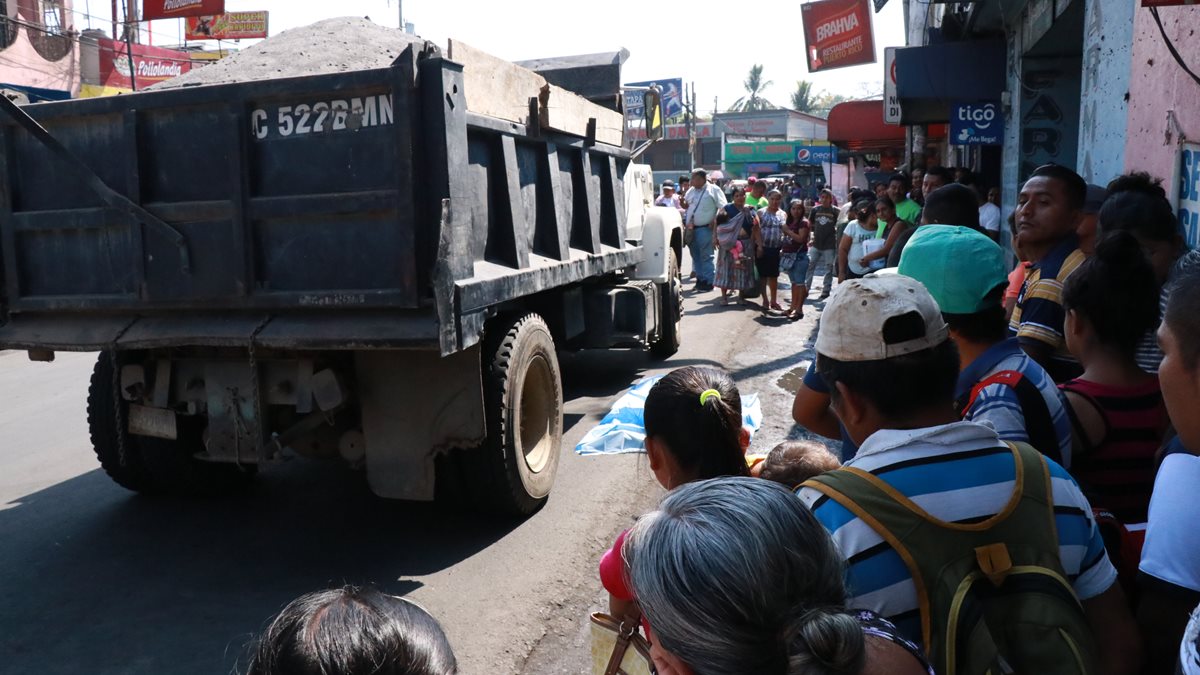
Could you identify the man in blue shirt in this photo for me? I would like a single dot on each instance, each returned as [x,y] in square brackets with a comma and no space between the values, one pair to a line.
[999,384]
[885,353]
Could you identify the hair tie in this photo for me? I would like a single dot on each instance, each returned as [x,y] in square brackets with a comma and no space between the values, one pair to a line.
[707,394]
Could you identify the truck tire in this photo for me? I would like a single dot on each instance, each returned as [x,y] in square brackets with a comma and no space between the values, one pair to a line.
[670,316]
[524,408]
[153,465]
[117,454]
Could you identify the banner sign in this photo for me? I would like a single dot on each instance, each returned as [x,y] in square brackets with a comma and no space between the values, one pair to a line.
[174,9]
[675,132]
[672,99]
[814,155]
[837,33]
[1189,193]
[151,64]
[976,124]
[230,26]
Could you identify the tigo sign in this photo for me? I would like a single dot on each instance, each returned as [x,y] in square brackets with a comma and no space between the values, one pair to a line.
[816,154]
[977,124]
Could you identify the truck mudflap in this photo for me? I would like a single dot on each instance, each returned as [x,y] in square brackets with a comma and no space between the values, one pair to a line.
[354,331]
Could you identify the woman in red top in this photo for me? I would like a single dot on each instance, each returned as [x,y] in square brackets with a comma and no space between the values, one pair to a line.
[693,420]
[1116,408]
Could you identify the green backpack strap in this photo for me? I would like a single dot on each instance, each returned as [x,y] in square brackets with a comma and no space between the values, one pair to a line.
[928,545]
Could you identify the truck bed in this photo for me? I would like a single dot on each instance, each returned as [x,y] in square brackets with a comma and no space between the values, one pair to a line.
[353,210]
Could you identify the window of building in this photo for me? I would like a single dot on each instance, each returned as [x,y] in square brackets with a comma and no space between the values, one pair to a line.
[48,33]
[8,25]
[681,160]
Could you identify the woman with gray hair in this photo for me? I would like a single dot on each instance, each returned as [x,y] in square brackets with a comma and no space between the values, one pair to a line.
[736,576]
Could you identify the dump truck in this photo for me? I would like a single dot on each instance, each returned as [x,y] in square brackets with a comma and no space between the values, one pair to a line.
[377,267]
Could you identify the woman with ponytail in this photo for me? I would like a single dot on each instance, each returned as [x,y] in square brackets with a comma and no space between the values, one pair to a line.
[1116,408]
[737,577]
[693,420]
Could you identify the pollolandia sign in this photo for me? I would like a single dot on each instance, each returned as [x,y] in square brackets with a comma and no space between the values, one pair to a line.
[174,9]
[837,33]
[978,123]
[816,154]
[150,64]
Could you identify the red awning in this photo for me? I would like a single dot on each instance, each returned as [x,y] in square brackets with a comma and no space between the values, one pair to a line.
[858,126]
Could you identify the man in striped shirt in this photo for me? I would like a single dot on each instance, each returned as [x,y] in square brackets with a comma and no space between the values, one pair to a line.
[1048,213]
[885,352]
[999,384]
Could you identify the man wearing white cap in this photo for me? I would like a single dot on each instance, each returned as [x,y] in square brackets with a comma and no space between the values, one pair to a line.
[885,352]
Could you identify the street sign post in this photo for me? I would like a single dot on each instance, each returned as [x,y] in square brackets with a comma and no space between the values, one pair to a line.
[891,102]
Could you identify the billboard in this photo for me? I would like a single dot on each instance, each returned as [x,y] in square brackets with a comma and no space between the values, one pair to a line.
[980,123]
[151,65]
[1189,193]
[816,154]
[229,26]
[174,9]
[672,99]
[837,33]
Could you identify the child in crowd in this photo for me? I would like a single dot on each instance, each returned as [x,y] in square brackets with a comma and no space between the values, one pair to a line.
[1016,278]
[353,631]
[1116,408]
[1169,579]
[792,462]
[693,419]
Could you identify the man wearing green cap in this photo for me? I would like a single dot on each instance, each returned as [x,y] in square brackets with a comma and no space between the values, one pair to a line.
[965,273]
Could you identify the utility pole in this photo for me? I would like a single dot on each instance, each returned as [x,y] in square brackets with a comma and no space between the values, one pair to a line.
[115,34]
[130,26]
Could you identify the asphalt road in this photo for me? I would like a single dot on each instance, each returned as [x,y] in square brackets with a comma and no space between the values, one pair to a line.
[96,579]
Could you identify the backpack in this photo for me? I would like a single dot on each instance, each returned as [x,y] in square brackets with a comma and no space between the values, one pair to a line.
[993,595]
[1039,424]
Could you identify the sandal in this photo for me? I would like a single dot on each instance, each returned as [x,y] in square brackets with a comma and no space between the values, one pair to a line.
[775,306]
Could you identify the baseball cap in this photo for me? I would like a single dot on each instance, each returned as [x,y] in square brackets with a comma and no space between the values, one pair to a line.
[856,316]
[958,265]
[1095,198]
[668,185]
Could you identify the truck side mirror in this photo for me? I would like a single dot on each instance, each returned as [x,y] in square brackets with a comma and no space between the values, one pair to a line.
[653,113]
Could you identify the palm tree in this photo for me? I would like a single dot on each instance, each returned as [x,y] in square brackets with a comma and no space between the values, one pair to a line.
[754,85]
[803,99]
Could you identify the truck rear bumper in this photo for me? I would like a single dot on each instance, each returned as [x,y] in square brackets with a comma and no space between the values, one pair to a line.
[324,331]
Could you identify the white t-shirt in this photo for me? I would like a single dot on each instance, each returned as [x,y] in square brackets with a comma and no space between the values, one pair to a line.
[858,235]
[989,217]
[1172,549]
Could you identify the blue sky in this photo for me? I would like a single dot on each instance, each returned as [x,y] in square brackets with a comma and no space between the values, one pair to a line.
[704,42]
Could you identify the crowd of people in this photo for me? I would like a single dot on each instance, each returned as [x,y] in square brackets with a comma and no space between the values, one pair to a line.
[1017,450]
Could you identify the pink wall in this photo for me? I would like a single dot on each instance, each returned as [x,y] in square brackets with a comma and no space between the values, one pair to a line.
[21,64]
[1157,84]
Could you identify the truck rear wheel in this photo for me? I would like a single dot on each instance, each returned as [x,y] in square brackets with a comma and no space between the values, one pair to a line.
[524,402]
[106,415]
[670,317]
[152,465]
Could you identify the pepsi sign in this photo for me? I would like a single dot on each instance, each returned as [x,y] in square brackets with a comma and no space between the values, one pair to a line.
[816,155]
[978,123]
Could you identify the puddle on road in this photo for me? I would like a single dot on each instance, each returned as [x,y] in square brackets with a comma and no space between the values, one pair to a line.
[792,379]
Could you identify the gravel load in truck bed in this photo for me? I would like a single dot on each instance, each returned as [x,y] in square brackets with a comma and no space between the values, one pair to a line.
[329,46]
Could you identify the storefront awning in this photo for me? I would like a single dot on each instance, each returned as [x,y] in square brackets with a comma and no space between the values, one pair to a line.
[858,126]
[931,79]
